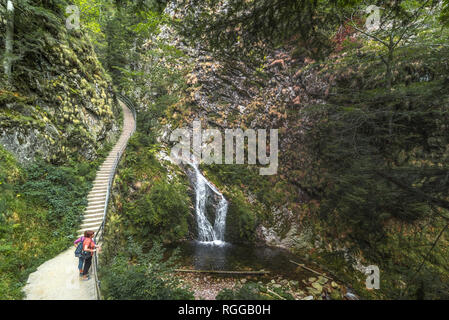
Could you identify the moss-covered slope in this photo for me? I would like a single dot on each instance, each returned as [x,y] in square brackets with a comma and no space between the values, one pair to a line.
[58,103]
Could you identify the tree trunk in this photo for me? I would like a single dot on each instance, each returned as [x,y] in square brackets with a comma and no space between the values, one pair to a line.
[389,64]
[9,40]
[389,76]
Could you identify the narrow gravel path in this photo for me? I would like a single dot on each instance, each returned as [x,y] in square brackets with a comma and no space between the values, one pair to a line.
[58,279]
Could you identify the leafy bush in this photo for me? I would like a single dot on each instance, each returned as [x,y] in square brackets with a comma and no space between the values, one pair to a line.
[62,190]
[155,206]
[134,275]
[161,213]
[241,220]
[40,209]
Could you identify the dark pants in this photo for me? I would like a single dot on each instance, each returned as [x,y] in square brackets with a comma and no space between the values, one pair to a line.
[87,263]
[80,263]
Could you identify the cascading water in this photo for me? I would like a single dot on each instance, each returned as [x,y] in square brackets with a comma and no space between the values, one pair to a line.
[207,232]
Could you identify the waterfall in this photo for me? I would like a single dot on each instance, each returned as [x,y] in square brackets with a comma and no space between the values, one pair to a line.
[206,231]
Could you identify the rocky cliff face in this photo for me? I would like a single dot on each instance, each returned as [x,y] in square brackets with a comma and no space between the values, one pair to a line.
[226,92]
[59,104]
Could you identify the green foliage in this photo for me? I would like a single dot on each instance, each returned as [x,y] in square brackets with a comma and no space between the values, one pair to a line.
[445,12]
[134,275]
[62,190]
[154,206]
[241,220]
[381,156]
[91,14]
[161,213]
[111,26]
[249,291]
[57,86]
[40,210]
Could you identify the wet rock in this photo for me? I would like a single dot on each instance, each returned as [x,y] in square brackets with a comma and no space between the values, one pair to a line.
[313,291]
[322,280]
[317,286]
[351,296]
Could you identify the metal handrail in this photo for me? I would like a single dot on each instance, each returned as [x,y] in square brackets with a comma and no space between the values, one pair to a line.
[131,106]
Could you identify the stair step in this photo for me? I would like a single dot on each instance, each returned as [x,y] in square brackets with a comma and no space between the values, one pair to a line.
[81,231]
[91,225]
[98,192]
[88,220]
[93,215]
[95,207]
[96,195]
[100,184]
[95,202]
[93,211]
[99,188]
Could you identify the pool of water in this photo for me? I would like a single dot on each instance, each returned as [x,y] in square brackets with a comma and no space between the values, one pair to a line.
[225,256]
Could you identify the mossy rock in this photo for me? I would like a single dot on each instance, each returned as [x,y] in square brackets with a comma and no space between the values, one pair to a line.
[241,220]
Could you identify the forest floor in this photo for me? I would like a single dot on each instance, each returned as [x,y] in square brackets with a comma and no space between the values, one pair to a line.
[206,287]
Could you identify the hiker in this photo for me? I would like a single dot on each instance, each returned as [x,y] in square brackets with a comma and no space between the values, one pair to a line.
[79,251]
[89,247]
